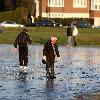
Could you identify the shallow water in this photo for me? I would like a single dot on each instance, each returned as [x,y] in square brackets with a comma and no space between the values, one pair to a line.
[77,73]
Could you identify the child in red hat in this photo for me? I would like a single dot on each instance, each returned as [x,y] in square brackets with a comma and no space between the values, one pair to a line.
[50,51]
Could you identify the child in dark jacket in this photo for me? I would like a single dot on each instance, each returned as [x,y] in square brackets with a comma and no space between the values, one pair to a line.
[22,40]
[50,51]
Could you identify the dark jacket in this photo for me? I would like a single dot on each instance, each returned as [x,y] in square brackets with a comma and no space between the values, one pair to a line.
[22,40]
[69,31]
[50,52]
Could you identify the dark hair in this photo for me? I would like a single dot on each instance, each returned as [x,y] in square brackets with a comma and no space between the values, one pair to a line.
[25,30]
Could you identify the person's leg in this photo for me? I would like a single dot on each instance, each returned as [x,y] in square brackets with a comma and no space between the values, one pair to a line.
[75,40]
[70,41]
[20,56]
[47,68]
[25,56]
[52,71]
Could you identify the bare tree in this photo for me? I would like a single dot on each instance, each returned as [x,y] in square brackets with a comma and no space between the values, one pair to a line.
[30,5]
[1,5]
[8,4]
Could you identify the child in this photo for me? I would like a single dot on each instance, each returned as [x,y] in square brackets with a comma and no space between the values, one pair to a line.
[50,51]
[22,40]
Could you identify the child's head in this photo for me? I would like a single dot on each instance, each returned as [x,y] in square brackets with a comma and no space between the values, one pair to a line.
[25,30]
[53,39]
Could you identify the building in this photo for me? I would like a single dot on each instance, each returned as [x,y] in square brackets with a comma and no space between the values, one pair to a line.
[69,9]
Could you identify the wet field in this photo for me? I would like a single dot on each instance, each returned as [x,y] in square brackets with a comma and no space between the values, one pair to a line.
[77,74]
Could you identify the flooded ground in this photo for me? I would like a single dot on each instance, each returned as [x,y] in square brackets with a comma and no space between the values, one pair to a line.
[77,74]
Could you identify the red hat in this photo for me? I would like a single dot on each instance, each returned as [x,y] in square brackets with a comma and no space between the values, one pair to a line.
[53,39]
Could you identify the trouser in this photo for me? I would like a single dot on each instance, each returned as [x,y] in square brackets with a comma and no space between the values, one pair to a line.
[69,41]
[50,69]
[23,55]
[75,40]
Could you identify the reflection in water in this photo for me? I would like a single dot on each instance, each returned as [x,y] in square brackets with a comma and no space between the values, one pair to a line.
[49,89]
[89,56]
[22,75]
[22,87]
[69,56]
[50,85]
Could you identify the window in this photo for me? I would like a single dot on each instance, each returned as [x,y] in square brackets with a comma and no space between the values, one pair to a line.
[55,15]
[95,4]
[48,2]
[59,2]
[55,3]
[79,3]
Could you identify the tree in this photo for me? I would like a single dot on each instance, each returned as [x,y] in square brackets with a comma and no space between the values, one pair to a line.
[8,4]
[1,5]
[30,5]
[19,2]
[28,14]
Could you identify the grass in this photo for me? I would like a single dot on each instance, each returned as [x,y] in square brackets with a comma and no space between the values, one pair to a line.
[39,35]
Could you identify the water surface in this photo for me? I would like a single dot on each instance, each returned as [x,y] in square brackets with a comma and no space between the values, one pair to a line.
[77,73]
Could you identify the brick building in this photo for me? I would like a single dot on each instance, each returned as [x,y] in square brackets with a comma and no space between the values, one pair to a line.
[69,9]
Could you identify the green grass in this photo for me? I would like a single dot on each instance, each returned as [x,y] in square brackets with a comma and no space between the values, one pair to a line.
[40,35]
